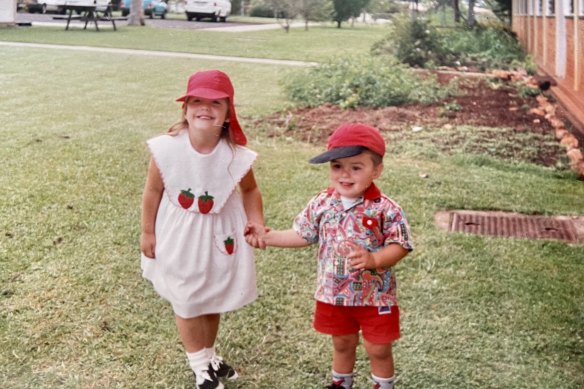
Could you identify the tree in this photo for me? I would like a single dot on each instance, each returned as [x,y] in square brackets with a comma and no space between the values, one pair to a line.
[471,20]
[312,10]
[136,14]
[501,9]
[345,9]
[457,14]
[284,11]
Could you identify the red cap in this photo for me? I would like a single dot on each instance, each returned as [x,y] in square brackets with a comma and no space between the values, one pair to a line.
[214,84]
[352,139]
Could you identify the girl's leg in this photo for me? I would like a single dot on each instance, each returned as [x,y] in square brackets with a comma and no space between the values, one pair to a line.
[344,352]
[198,332]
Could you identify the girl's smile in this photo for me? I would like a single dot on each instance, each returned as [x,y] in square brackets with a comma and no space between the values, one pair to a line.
[205,113]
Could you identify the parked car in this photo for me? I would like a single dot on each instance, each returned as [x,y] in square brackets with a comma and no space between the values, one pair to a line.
[152,8]
[44,6]
[213,9]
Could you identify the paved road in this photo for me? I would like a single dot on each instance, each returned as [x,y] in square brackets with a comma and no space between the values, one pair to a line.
[47,20]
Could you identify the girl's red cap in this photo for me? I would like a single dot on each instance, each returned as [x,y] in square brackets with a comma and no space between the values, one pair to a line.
[214,84]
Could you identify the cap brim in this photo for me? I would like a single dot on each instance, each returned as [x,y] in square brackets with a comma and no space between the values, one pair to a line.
[204,93]
[338,152]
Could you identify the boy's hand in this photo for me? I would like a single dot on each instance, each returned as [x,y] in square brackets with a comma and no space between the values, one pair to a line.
[254,235]
[359,258]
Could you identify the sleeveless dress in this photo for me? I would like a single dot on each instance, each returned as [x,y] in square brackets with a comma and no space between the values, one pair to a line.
[203,264]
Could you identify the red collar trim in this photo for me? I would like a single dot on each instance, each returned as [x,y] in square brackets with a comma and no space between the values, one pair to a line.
[371,193]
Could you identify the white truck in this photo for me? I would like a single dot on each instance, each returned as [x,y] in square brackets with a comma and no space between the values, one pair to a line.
[213,9]
[44,6]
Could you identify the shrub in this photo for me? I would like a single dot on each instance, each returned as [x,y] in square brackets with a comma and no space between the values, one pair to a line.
[414,42]
[362,81]
[417,42]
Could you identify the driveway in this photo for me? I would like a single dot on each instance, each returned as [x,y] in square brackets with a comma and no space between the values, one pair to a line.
[47,20]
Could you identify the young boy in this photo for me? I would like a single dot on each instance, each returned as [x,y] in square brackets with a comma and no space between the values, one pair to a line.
[361,234]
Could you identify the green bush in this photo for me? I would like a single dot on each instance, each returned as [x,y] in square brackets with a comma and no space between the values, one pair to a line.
[414,42]
[417,42]
[362,81]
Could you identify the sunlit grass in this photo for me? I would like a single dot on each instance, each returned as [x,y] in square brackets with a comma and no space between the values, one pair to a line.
[477,312]
[317,44]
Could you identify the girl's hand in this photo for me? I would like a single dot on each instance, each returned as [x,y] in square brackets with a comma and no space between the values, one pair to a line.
[148,244]
[254,235]
[359,258]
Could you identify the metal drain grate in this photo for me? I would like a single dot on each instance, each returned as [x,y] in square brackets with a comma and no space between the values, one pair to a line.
[566,229]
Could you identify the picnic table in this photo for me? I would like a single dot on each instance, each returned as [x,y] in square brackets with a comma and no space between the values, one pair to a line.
[89,14]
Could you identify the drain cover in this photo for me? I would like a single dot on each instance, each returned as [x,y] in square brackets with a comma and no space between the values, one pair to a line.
[566,229]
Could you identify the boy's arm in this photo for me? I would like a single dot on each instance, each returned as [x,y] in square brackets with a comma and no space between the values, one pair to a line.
[284,239]
[150,202]
[386,257]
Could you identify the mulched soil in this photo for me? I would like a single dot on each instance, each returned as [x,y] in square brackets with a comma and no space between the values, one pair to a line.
[479,103]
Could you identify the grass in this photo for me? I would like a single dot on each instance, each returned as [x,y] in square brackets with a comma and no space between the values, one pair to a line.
[477,312]
[317,44]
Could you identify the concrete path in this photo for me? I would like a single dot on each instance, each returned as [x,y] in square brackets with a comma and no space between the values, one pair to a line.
[150,53]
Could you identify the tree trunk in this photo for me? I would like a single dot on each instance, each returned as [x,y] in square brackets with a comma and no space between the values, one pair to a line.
[136,14]
[456,8]
[471,21]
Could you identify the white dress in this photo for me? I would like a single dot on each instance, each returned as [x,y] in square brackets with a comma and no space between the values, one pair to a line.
[203,264]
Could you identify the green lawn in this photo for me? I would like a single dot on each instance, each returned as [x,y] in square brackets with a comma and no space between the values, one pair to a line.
[317,44]
[477,312]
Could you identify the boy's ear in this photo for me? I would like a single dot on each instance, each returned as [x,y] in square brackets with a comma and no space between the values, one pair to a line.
[377,171]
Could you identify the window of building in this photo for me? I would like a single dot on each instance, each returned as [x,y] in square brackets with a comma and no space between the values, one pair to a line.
[569,7]
[551,7]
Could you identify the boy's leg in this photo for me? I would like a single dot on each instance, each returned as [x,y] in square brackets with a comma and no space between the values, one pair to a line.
[380,358]
[344,352]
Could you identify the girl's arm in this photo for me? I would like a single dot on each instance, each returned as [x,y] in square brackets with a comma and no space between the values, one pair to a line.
[252,199]
[150,203]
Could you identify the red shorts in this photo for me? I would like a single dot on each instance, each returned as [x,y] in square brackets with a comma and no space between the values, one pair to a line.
[377,324]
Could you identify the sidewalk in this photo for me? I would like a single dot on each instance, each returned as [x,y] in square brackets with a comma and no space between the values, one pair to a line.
[161,54]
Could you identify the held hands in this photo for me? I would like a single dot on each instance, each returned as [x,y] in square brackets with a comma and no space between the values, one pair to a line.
[255,234]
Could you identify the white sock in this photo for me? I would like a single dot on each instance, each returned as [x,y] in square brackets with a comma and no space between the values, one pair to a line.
[384,383]
[210,352]
[345,380]
[199,360]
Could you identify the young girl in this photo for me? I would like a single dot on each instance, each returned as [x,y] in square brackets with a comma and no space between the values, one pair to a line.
[193,219]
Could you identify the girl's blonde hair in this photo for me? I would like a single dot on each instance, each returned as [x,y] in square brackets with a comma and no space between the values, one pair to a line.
[183,124]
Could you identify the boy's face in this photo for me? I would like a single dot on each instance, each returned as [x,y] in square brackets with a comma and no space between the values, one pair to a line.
[351,176]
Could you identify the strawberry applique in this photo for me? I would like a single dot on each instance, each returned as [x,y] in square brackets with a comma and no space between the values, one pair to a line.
[205,203]
[186,198]
[229,245]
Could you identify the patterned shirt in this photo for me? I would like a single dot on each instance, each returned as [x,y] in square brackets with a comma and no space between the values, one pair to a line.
[372,222]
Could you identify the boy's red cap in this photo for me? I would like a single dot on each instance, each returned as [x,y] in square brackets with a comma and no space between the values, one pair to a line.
[352,139]
[214,84]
